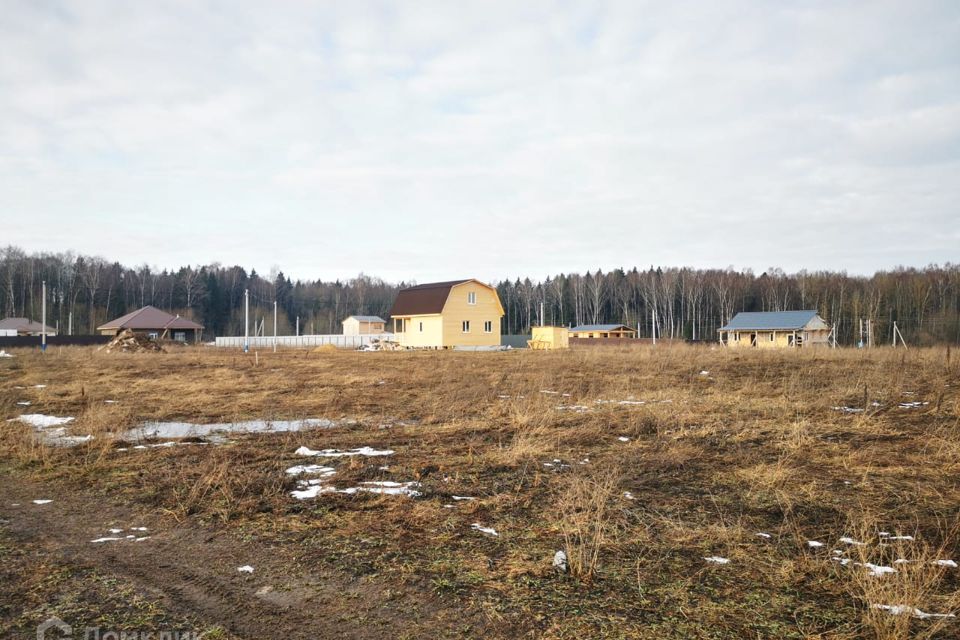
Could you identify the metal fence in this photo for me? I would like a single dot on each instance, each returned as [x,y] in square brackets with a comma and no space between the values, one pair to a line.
[337,340]
[53,341]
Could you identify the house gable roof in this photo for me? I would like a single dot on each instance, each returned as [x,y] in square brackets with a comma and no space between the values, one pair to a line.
[23,324]
[150,318]
[771,320]
[423,299]
[366,318]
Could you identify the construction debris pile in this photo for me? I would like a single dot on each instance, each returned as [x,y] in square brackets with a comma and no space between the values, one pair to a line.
[381,345]
[129,342]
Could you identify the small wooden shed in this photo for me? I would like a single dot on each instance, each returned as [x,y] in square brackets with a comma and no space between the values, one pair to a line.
[363,325]
[549,338]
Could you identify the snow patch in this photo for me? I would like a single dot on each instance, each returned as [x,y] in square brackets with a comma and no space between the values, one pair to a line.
[245,569]
[336,453]
[490,531]
[717,560]
[903,609]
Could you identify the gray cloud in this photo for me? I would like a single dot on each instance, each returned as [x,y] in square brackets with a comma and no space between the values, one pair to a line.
[427,140]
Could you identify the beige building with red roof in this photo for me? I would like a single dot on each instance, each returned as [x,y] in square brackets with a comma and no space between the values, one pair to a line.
[155,323]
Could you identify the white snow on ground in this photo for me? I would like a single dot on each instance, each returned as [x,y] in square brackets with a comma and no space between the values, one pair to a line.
[336,453]
[852,542]
[623,439]
[107,539]
[877,570]
[576,408]
[704,373]
[463,497]
[903,609]
[945,563]
[628,495]
[848,409]
[23,403]
[166,430]
[42,501]
[814,544]
[4,354]
[50,429]
[385,487]
[41,421]
[716,560]
[912,405]
[765,536]
[550,393]
[625,403]
[115,530]
[39,386]
[312,491]
[490,531]
[311,469]
[245,569]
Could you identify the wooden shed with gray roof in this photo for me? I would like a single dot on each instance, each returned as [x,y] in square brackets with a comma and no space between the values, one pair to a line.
[772,329]
[363,325]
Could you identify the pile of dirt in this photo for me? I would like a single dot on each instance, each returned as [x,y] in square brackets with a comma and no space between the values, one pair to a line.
[324,348]
[129,342]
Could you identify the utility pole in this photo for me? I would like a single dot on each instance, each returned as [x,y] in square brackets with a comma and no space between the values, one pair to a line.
[298,325]
[274,326]
[246,320]
[43,327]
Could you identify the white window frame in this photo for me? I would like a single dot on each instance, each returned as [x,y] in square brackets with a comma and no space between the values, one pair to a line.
[488,326]
[153,335]
[471,297]
[465,326]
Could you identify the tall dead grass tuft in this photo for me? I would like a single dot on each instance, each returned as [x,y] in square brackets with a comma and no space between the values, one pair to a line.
[589,517]
[905,591]
[222,485]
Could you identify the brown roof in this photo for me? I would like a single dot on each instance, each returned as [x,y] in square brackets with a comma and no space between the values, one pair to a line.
[423,299]
[150,318]
[24,325]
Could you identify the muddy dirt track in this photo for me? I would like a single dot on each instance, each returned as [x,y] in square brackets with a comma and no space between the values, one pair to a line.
[191,573]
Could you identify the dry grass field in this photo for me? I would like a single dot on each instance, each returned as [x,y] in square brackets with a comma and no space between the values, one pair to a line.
[684,484]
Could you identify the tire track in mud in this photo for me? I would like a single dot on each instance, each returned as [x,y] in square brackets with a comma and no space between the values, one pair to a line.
[192,572]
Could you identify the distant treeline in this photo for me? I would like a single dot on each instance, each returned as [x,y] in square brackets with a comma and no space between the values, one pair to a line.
[684,303]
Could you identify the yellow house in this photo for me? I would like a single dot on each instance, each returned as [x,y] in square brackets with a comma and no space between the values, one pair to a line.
[363,325]
[773,329]
[442,315]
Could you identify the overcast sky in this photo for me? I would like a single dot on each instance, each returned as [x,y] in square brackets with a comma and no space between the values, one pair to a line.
[437,140]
